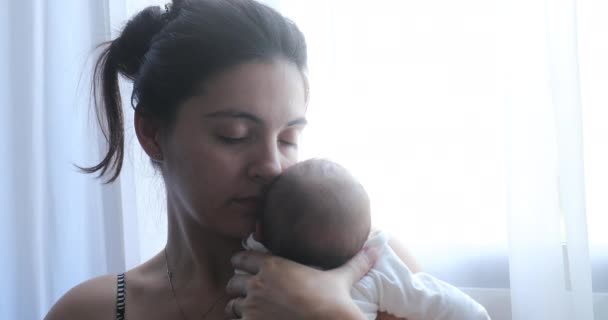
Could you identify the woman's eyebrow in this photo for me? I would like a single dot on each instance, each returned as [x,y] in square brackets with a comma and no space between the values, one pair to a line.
[251,117]
[235,114]
[297,122]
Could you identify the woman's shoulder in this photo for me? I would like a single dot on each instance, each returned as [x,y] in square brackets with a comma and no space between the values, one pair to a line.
[93,299]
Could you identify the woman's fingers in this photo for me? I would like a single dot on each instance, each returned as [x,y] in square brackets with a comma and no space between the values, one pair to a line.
[237,286]
[387,316]
[358,266]
[249,261]
[234,308]
[276,288]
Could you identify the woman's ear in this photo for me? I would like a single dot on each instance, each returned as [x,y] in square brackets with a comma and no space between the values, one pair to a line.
[148,133]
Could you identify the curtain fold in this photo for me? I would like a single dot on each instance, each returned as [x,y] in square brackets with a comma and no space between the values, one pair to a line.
[59,226]
[550,268]
[562,31]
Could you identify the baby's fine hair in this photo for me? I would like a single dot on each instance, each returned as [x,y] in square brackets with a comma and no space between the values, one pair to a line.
[316,213]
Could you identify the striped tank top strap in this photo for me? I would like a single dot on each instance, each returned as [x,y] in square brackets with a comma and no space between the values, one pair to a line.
[121,297]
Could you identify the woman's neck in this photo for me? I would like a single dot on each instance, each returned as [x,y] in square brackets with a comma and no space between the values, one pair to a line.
[197,257]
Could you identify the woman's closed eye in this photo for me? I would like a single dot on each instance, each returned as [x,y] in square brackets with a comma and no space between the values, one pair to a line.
[289,138]
[231,139]
[288,143]
[236,140]
[234,133]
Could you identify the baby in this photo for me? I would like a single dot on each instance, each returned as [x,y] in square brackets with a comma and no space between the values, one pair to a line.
[317,214]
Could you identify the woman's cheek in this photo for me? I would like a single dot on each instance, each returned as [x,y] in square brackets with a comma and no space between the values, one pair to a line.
[290,160]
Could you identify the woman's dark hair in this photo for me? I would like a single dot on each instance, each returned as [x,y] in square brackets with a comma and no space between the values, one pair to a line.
[169,52]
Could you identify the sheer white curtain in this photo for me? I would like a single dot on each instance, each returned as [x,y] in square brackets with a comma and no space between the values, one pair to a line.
[58,227]
[465,122]
[550,266]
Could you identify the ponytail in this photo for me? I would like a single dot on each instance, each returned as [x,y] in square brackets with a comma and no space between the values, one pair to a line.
[124,56]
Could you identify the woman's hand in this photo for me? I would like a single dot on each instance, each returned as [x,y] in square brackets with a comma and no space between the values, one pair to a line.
[387,316]
[276,288]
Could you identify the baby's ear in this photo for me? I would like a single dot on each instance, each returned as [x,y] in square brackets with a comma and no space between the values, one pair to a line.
[258,232]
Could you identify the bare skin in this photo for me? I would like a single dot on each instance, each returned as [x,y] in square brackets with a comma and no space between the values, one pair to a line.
[147,287]
[228,143]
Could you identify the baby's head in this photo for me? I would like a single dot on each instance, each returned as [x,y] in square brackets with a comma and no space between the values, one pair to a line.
[317,214]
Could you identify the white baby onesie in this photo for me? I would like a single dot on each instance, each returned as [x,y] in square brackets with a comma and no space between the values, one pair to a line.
[391,287]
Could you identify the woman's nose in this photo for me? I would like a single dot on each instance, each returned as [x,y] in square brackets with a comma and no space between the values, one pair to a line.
[267,165]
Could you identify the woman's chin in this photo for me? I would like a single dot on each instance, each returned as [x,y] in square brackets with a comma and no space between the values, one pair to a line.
[242,228]
[244,222]
[237,224]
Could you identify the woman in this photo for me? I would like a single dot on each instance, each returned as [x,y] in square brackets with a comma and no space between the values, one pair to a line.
[220,96]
